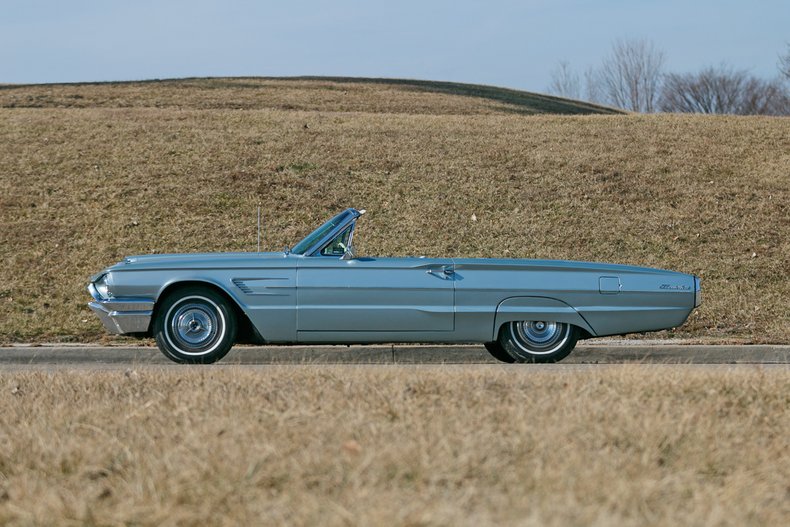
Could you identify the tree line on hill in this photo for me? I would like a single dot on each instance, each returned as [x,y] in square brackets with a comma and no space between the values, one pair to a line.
[632,77]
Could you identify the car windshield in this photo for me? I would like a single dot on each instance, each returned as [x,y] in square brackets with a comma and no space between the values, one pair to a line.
[339,245]
[316,236]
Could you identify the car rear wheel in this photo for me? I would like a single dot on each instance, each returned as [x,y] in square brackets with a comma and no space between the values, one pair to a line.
[496,351]
[195,325]
[538,340]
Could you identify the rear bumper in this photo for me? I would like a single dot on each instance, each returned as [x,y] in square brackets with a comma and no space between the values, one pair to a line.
[697,291]
[122,315]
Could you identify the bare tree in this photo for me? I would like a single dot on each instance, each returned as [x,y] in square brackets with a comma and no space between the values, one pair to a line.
[784,63]
[765,97]
[723,90]
[711,90]
[630,77]
[564,81]
[592,86]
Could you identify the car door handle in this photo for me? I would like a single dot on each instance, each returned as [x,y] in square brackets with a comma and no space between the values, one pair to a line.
[444,272]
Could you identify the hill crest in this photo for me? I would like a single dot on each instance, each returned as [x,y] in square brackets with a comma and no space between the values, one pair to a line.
[341,94]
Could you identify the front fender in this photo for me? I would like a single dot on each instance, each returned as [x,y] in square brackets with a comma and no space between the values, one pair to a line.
[198,280]
[537,308]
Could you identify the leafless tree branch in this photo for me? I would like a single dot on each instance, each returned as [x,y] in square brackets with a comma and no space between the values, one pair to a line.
[630,77]
[784,63]
[722,90]
[565,82]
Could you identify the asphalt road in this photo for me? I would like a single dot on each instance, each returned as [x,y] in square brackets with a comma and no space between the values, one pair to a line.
[622,352]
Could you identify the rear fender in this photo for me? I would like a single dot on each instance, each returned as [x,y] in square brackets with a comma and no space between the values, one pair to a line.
[537,308]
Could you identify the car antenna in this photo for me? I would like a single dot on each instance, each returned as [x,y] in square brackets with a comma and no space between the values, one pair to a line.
[259,226]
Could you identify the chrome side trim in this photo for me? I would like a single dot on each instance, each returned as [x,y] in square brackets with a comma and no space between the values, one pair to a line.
[122,315]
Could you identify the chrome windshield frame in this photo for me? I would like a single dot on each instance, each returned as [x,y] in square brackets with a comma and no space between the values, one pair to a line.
[319,251]
[315,249]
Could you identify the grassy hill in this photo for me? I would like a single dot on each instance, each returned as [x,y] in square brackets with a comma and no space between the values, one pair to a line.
[92,172]
[325,94]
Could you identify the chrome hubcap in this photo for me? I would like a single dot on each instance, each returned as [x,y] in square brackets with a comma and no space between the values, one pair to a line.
[539,337]
[194,325]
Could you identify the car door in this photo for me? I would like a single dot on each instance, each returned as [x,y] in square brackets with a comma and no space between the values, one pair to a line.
[373,295]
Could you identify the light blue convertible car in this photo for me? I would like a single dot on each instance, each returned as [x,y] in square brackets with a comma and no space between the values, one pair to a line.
[197,306]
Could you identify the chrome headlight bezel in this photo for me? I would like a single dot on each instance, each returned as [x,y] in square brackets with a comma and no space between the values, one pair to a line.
[102,286]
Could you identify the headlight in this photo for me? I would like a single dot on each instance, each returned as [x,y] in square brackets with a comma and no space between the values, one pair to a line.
[102,286]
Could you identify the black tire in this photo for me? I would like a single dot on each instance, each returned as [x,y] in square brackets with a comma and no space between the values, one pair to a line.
[496,351]
[538,341]
[195,325]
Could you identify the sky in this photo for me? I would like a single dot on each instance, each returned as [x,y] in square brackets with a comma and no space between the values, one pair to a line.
[515,44]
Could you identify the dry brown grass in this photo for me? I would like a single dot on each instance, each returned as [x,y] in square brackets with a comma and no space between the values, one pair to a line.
[83,187]
[306,445]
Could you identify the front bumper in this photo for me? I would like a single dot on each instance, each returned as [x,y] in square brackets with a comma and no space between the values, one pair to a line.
[122,315]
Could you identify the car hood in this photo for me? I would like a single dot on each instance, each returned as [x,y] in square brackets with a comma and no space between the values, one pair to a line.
[195,261]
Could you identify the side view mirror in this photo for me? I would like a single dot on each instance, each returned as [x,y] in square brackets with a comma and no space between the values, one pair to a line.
[349,254]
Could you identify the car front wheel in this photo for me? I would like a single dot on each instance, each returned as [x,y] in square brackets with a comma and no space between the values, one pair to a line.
[538,340]
[195,325]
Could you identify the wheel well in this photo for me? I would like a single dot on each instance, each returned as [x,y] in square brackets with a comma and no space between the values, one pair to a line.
[246,332]
[582,333]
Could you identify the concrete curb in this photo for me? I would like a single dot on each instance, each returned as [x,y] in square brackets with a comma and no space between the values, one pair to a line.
[400,354]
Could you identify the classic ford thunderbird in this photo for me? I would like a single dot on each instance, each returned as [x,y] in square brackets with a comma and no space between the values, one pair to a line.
[197,306]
